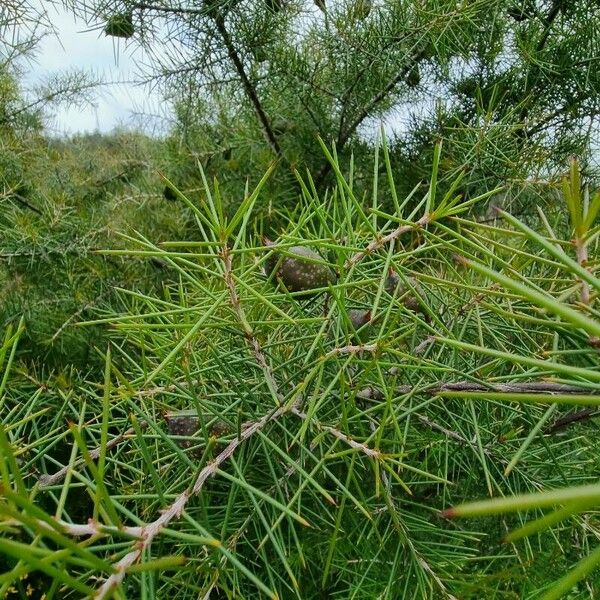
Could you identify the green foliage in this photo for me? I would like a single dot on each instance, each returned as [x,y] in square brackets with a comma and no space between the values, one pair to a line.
[316,466]
[62,202]
[180,418]
[510,86]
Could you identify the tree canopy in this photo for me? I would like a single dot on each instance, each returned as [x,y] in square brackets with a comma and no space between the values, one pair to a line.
[512,86]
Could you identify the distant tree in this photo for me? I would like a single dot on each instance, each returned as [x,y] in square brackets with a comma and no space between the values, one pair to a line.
[512,86]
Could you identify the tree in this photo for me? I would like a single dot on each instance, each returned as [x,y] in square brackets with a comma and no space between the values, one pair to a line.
[511,86]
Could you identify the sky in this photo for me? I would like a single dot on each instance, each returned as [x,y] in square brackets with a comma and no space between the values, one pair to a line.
[75,47]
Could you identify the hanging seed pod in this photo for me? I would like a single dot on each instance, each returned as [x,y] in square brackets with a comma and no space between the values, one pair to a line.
[120,25]
[183,423]
[300,270]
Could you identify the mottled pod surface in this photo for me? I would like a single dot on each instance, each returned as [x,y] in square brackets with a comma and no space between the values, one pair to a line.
[300,269]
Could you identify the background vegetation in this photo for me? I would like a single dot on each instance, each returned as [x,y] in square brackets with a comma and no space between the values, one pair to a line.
[176,423]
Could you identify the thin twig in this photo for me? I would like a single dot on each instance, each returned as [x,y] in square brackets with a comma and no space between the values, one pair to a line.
[372,393]
[367,110]
[249,334]
[148,532]
[352,349]
[48,480]
[339,435]
[379,242]
[447,432]
[248,87]
[574,417]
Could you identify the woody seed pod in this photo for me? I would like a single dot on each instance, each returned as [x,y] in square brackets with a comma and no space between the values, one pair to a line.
[396,287]
[359,317]
[302,270]
[187,423]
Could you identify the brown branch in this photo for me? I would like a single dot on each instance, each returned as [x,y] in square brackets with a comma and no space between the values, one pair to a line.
[441,429]
[148,532]
[540,387]
[339,435]
[534,69]
[13,195]
[382,241]
[248,87]
[378,98]
[556,6]
[345,134]
[48,480]
[574,417]
[352,349]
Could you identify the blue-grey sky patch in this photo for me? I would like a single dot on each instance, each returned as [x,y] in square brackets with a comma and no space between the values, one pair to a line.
[74,46]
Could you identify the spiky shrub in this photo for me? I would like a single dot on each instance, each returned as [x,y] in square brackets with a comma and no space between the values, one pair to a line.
[332,458]
[68,199]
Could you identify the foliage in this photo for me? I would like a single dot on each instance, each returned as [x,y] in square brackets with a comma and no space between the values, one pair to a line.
[62,202]
[511,87]
[332,459]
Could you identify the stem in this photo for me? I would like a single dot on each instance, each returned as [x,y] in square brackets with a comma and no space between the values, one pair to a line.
[249,334]
[382,241]
[175,510]
[248,87]
[346,133]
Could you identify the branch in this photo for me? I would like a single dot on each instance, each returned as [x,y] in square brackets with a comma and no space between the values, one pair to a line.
[382,241]
[345,134]
[340,435]
[171,9]
[148,532]
[538,387]
[575,417]
[48,480]
[248,88]
[249,334]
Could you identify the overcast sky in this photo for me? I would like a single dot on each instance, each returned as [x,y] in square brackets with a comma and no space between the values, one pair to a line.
[109,57]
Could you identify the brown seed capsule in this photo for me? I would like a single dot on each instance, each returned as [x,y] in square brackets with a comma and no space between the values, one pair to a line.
[186,423]
[183,423]
[359,317]
[301,270]
[396,287]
